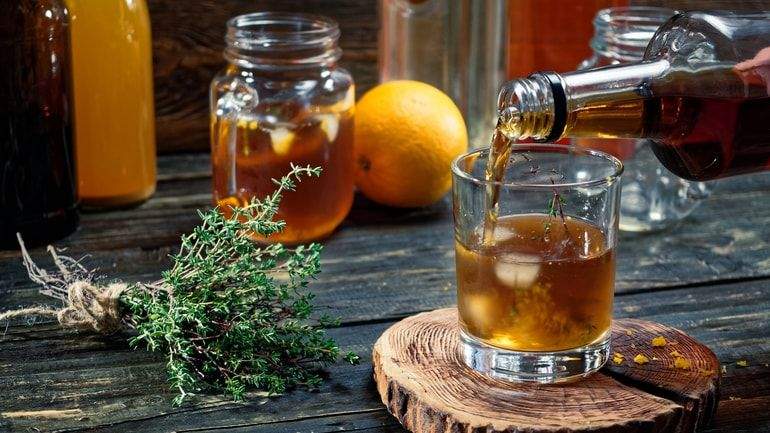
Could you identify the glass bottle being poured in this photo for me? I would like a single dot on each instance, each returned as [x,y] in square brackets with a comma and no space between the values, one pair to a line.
[701,95]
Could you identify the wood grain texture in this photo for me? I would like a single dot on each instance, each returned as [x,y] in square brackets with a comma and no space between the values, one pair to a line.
[707,277]
[424,383]
[188,39]
[120,390]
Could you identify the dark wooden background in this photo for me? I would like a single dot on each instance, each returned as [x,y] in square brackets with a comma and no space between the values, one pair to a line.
[188,38]
[709,276]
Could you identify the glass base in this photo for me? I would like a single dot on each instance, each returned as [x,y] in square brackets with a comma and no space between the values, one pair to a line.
[537,367]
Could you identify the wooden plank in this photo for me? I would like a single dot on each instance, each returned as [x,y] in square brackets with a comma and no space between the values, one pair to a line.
[731,418]
[119,390]
[382,265]
[403,259]
[188,39]
[409,256]
[377,420]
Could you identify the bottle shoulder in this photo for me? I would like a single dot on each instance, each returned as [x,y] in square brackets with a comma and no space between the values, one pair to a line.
[710,37]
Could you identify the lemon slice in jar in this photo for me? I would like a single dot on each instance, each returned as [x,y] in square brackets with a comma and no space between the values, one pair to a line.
[330,125]
[281,139]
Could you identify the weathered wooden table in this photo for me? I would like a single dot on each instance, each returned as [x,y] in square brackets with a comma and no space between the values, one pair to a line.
[710,277]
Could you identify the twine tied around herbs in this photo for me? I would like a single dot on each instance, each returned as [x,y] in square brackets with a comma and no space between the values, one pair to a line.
[87,306]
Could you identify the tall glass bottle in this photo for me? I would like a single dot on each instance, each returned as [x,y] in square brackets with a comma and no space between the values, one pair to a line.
[652,198]
[37,179]
[114,111]
[458,46]
[413,41]
[701,95]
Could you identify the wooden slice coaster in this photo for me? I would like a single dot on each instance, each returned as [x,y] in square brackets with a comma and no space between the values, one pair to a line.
[424,383]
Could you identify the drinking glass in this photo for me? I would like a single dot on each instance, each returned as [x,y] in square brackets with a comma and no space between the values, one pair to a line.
[535,284]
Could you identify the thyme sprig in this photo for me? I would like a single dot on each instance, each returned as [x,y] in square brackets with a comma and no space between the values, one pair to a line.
[236,315]
[555,206]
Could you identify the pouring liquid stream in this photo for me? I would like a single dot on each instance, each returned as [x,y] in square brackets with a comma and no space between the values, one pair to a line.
[504,137]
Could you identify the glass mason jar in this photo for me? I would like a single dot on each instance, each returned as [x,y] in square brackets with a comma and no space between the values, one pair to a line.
[114,101]
[653,198]
[283,100]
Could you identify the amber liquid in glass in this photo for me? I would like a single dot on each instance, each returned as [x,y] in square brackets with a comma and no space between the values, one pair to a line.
[114,102]
[524,268]
[538,266]
[247,154]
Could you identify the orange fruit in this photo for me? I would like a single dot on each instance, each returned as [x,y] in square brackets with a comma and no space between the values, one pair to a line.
[406,135]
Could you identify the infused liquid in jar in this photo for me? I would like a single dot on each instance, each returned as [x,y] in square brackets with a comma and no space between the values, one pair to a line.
[282,100]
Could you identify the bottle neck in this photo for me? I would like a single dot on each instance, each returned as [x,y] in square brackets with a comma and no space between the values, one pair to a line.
[272,42]
[606,102]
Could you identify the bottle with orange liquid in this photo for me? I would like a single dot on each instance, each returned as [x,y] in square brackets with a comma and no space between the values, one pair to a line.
[114,110]
[283,100]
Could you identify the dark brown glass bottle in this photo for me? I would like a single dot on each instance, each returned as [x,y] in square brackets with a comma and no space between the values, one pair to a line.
[702,95]
[38,196]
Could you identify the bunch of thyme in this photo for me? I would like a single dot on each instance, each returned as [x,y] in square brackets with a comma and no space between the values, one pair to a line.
[236,314]
[230,315]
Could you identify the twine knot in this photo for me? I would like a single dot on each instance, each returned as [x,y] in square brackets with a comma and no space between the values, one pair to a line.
[87,307]
[91,307]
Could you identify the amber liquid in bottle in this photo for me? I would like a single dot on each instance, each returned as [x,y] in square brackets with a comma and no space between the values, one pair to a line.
[719,137]
[695,135]
[696,138]
[114,105]
[537,266]
[38,192]
[263,152]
